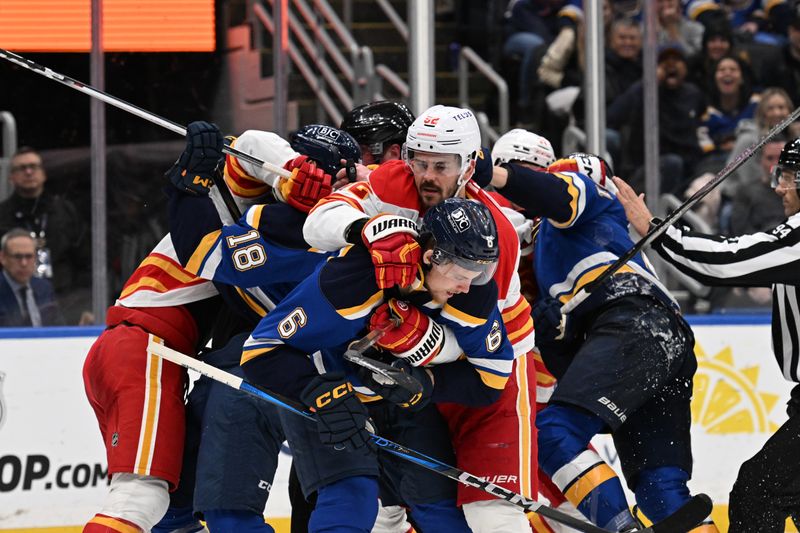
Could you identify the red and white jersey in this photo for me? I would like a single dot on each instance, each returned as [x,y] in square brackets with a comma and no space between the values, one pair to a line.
[390,189]
[161,281]
[248,181]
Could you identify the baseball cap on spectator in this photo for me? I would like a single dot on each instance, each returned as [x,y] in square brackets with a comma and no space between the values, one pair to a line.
[674,49]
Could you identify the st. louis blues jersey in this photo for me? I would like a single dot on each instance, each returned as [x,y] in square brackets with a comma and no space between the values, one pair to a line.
[311,328]
[574,251]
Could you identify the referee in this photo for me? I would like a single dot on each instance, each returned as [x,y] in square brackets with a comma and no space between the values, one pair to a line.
[767,489]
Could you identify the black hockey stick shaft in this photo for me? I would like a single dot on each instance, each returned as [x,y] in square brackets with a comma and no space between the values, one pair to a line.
[386,445]
[662,226]
[227,197]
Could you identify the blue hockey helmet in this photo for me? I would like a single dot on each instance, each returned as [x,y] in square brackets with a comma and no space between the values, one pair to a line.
[326,145]
[463,233]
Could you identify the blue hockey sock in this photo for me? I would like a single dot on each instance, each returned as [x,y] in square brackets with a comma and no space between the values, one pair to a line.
[346,506]
[439,516]
[226,521]
[661,491]
[584,478]
[178,518]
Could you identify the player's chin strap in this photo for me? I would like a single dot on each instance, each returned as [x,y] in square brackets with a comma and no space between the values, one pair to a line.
[684,519]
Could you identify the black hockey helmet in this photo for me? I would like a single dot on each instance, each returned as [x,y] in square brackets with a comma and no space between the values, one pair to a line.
[788,167]
[326,145]
[463,233]
[378,124]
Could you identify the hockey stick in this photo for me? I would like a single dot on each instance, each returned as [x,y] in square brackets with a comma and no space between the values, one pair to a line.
[662,226]
[687,517]
[391,375]
[147,115]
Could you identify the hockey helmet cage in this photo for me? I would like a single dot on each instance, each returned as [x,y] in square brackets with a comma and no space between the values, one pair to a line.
[523,145]
[590,165]
[378,124]
[445,130]
[465,234]
[788,168]
[325,145]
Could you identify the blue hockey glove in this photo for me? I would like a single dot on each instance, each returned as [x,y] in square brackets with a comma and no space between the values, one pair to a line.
[401,396]
[193,170]
[550,325]
[341,417]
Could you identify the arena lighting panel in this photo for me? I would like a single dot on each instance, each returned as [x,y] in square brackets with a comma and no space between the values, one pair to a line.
[128,25]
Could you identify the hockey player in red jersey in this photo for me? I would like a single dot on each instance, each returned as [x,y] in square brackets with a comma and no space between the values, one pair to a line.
[442,146]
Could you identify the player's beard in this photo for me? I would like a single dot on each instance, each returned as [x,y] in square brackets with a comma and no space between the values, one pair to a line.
[432,194]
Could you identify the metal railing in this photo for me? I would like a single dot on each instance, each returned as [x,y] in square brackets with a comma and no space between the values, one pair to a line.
[365,79]
[8,126]
[466,57]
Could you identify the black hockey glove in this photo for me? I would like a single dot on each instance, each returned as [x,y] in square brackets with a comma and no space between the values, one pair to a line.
[341,417]
[399,395]
[551,326]
[793,405]
[193,170]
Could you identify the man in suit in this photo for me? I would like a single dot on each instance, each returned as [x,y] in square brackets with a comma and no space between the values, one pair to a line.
[24,299]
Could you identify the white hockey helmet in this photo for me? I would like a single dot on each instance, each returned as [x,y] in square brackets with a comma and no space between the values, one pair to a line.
[445,130]
[523,145]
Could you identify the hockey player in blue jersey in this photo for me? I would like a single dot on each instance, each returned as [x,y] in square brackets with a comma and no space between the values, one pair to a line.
[296,351]
[625,362]
[233,451]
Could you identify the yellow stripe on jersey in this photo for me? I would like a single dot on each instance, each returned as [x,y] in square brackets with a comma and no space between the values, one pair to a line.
[251,303]
[588,481]
[492,380]
[574,194]
[254,217]
[362,309]
[589,276]
[461,317]
[248,355]
[114,525]
[240,182]
[522,331]
[150,415]
[170,268]
[144,282]
[514,311]
[525,430]
[205,246]
[538,523]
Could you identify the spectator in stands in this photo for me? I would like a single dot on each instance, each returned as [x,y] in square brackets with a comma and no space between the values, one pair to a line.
[786,73]
[774,106]
[25,300]
[623,57]
[717,42]
[731,100]
[674,27]
[680,105]
[536,28]
[756,207]
[62,238]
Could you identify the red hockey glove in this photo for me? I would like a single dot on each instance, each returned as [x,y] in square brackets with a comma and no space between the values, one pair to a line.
[391,241]
[409,334]
[307,185]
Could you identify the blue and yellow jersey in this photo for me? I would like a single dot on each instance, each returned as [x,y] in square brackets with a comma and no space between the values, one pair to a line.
[573,252]
[312,327]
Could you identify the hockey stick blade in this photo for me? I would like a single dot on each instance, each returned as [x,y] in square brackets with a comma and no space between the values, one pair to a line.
[386,445]
[391,374]
[686,518]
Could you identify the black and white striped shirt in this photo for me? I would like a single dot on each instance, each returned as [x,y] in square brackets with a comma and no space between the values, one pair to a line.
[760,259]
